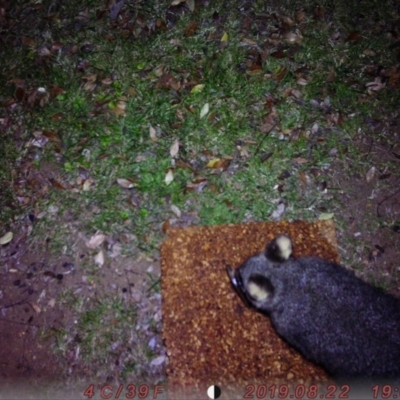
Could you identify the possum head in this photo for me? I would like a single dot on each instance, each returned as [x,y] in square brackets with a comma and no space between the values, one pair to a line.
[254,279]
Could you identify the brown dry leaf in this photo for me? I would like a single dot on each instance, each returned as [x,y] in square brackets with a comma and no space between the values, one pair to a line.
[87,184]
[160,71]
[90,78]
[120,108]
[56,90]
[27,41]
[165,226]
[300,15]
[89,86]
[292,92]
[191,29]
[281,73]
[300,160]
[184,165]
[269,121]
[335,118]
[369,52]
[278,54]
[331,75]
[254,69]
[20,93]
[51,136]
[270,101]
[319,13]
[354,37]
[217,163]
[304,178]
[107,81]
[44,96]
[57,117]
[58,185]
[197,185]
[394,79]
[248,42]
[167,81]
[125,183]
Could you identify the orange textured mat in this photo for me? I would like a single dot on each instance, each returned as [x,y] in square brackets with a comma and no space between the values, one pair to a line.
[211,337]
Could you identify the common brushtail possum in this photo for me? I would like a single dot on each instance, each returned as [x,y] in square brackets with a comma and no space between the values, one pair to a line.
[330,316]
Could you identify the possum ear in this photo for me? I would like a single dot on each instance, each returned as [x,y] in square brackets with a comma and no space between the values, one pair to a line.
[259,287]
[279,249]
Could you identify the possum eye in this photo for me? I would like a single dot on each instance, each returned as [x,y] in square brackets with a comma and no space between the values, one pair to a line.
[259,287]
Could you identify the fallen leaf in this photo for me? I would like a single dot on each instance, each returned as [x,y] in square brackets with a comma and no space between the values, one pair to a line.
[125,183]
[219,163]
[176,210]
[174,150]
[27,41]
[95,241]
[300,160]
[197,185]
[58,184]
[6,238]
[190,4]
[169,177]
[87,183]
[165,226]
[370,174]
[99,258]
[292,37]
[52,302]
[224,37]
[119,109]
[376,85]
[278,212]
[281,73]
[197,88]
[325,216]
[354,37]
[153,134]
[191,29]
[205,110]
[36,308]
[158,361]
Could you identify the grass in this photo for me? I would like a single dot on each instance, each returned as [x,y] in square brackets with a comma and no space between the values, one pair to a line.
[122,82]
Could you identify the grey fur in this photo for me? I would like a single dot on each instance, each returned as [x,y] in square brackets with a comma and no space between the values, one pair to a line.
[333,318]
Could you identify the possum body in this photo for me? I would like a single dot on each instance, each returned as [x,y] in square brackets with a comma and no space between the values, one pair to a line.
[333,318]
